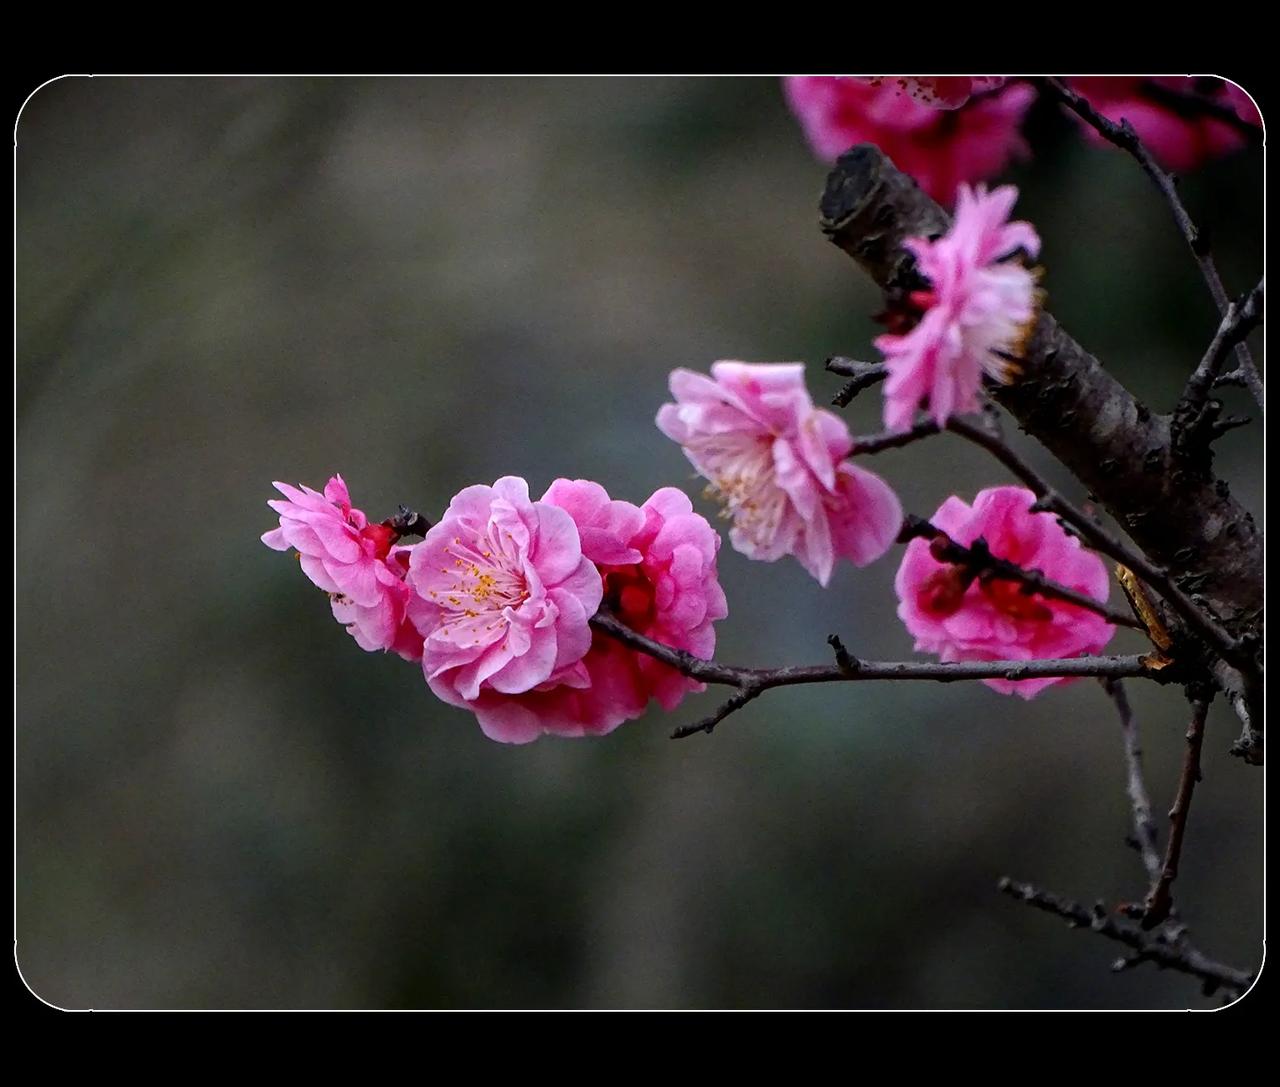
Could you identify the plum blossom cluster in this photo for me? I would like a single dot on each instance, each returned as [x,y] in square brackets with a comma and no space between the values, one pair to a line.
[495,602]
[945,131]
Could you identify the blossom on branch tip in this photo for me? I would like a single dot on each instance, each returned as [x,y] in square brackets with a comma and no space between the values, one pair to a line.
[929,128]
[974,318]
[778,466]
[658,565]
[962,618]
[1163,112]
[351,559]
[502,593]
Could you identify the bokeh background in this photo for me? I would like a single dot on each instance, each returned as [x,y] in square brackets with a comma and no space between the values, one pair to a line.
[224,803]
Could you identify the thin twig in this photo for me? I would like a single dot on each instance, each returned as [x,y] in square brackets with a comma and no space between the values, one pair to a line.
[977,559]
[1124,137]
[862,376]
[1163,948]
[1160,899]
[1192,419]
[1144,826]
[752,682]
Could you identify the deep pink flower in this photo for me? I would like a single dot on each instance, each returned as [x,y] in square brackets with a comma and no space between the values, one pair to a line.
[778,465]
[1178,136]
[503,593]
[940,92]
[938,147]
[977,312]
[658,564]
[350,559]
[963,620]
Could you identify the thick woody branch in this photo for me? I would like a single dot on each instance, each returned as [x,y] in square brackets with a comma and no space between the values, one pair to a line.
[1124,137]
[1167,950]
[1160,899]
[752,682]
[1205,551]
[978,561]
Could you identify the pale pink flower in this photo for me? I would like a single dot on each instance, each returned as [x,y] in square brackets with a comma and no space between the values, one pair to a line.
[967,620]
[658,564]
[979,309]
[503,593]
[940,148]
[778,466]
[1179,137]
[351,559]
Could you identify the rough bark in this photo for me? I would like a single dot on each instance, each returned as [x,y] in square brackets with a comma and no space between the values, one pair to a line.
[1171,504]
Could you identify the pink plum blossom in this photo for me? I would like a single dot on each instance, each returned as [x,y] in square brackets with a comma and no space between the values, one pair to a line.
[976,314]
[939,147]
[1179,137]
[503,593]
[778,466]
[352,560]
[658,564]
[940,92]
[967,620]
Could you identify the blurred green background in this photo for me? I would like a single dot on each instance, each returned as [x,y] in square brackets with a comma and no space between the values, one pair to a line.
[223,802]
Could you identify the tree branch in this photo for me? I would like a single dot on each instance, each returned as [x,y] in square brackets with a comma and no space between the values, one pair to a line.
[1124,137]
[1199,538]
[1160,899]
[1163,948]
[1144,827]
[752,682]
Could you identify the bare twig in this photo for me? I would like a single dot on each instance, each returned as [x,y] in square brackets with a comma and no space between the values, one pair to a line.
[978,560]
[1195,417]
[1160,899]
[862,376]
[1124,137]
[752,682]
[1165,949]
[1144,827]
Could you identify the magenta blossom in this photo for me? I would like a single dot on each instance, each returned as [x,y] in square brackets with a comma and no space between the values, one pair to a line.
[939,147]
[962,619]
[350,559]
[940,92]
[778,465]
[1179,135]
[978,311]
[658,564]
[503,593]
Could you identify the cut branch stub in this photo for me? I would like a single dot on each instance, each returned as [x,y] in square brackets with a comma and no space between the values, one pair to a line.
[1185,520]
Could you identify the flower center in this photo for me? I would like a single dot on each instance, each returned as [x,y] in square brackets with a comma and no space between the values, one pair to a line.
[485,584]
[740,468]
[629,595]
